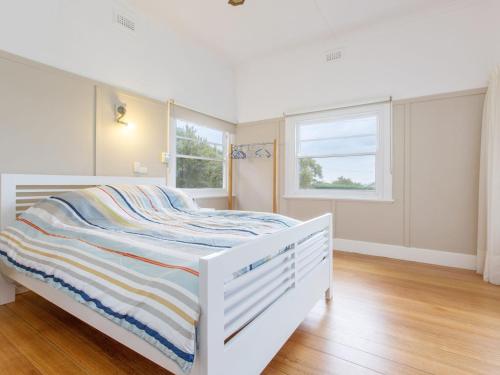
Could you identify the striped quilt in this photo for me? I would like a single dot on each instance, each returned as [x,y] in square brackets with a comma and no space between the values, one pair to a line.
[131,253]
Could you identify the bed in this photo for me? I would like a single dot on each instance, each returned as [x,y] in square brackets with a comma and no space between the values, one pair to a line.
[188,288]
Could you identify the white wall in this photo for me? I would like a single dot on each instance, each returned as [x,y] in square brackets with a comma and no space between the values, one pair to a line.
[448,50]
[79,36]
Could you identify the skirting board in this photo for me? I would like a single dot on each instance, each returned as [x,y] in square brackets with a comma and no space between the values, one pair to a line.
[437,257]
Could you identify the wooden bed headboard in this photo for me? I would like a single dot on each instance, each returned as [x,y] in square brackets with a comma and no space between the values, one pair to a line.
[18,192]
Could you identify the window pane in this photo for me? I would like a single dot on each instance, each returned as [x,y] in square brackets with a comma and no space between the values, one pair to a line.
[197,174]
[347,145]
[199,148]
[189,130]
[334,128]
[346,173]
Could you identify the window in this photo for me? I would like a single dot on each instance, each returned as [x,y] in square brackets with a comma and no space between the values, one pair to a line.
[343,153]
[200,157]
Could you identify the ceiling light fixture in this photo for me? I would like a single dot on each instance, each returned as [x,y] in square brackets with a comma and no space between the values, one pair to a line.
[236,2]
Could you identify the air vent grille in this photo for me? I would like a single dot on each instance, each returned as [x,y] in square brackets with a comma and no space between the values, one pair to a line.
[335,55]
[125,21]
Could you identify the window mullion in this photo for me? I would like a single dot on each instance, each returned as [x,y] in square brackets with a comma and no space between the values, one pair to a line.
[197,140]
[339,137]
[323,156]
[198,158]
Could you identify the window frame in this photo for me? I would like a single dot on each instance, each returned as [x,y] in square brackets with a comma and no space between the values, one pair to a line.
[172,175]
[383,153]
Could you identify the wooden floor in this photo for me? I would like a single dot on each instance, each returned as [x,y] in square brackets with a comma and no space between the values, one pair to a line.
[387,316]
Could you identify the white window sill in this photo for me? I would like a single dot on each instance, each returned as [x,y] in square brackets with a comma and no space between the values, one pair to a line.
[340,198]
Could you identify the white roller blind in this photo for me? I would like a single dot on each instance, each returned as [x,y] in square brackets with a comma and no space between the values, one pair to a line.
[179,112]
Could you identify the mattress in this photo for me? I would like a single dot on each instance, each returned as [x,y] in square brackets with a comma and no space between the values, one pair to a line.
[131,253]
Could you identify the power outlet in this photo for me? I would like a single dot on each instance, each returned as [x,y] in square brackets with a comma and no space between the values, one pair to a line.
[139,169]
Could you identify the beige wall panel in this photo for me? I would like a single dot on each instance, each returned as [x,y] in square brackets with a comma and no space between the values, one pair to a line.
[216,203]
[379,222]
[118,146]
[255,182]
[305,209]
[255,176]
[444,167]
[46,120]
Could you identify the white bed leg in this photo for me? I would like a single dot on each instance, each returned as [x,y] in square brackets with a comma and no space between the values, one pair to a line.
[7,291]
[329,291]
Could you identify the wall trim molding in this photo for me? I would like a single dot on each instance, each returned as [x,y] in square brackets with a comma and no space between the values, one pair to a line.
[50,69]
[395,101]
[276,120]
[437,257]
[441,95]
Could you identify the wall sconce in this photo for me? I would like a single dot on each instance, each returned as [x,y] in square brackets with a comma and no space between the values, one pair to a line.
[120,112]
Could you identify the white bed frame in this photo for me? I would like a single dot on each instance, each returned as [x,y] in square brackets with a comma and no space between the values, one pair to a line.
[243,323]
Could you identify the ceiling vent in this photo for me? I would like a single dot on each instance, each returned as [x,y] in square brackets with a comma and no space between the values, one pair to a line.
[124,21]
[334,55]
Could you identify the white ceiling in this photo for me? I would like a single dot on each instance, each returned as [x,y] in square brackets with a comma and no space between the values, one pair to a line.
[262,26]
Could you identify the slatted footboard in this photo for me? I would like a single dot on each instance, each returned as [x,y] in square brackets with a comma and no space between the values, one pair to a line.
[254,296]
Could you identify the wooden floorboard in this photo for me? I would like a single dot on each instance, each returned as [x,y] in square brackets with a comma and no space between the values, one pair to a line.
[387,317]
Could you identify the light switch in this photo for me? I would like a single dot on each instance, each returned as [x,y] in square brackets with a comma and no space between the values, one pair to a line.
[165,157]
